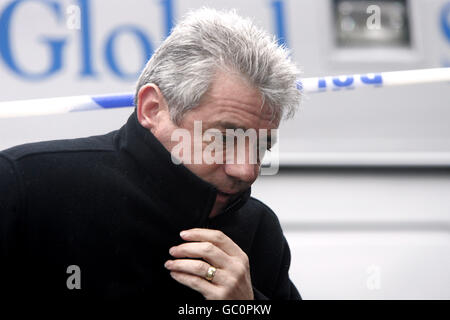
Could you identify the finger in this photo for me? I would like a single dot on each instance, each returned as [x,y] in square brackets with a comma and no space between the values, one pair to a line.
[216,237]
[194,282]
[194,267]
[205,250]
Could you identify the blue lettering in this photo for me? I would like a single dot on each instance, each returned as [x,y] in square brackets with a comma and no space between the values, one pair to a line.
[109,50]
[168,14]
[280,30]
[445,21]
[56,45]
[87,69]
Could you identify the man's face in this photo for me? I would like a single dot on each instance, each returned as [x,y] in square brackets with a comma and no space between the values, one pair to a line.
[230,103]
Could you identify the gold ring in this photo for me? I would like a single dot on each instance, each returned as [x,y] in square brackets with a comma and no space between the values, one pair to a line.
[210,273]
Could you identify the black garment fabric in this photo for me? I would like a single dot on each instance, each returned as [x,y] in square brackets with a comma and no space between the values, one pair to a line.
[113,205]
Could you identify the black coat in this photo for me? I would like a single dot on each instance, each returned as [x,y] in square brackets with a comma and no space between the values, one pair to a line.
[113,205]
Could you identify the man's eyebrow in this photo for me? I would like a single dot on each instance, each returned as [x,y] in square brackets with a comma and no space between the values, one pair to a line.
[234,126]
[225,125]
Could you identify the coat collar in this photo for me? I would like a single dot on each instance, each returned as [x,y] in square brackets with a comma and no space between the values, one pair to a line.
[187,199]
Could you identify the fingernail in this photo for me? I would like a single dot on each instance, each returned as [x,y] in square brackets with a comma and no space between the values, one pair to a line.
[167,264]
[183,234]
[172,250]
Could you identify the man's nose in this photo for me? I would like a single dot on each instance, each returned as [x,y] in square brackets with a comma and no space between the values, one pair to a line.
[245,172]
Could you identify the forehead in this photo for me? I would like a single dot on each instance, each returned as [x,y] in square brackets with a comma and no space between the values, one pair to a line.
[231,102]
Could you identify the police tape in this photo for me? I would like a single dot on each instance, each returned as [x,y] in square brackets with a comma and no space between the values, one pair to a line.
[35,107]
[377,80]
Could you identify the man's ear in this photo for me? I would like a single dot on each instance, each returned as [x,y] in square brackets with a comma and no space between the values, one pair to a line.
[149,103]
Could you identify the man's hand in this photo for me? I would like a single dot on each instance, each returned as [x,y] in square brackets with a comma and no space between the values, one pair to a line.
[232,279]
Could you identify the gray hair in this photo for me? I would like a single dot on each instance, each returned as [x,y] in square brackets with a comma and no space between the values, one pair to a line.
[207,40]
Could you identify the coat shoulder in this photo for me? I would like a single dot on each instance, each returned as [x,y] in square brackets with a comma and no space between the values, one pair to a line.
[263,210]
[45,148]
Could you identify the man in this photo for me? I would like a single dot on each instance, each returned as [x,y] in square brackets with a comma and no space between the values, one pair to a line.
[115,217]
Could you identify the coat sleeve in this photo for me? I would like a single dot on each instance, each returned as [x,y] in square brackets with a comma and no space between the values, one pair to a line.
[284,288]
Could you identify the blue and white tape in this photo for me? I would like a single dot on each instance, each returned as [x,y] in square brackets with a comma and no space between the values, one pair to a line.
[23,108]
[376,80]
[48,106]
